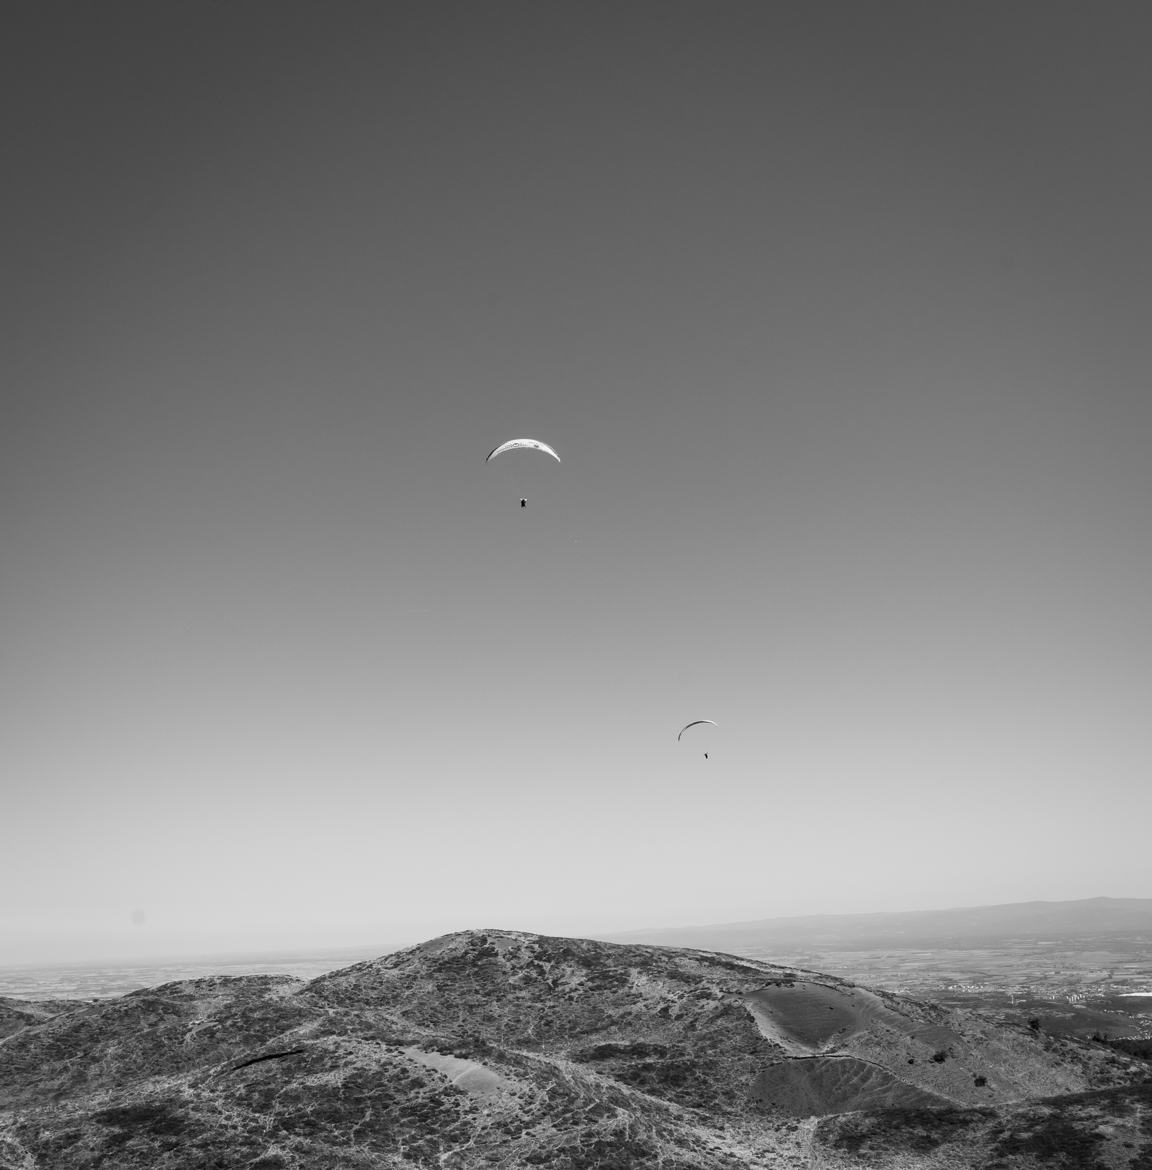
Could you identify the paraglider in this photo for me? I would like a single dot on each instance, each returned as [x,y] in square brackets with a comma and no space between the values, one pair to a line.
[522,444]
[526,444]
[695,723]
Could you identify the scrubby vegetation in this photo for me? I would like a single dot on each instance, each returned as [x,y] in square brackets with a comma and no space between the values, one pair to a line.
[916,1131]
[1053,1137]
[1132,1045]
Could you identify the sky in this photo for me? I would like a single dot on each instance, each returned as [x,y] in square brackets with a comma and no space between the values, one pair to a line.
[837,314]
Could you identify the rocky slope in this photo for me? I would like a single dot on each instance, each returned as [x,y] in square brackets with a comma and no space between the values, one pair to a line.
[495,1048]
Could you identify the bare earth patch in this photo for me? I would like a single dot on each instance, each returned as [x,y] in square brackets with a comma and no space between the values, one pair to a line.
[806,1015]
[469,1075]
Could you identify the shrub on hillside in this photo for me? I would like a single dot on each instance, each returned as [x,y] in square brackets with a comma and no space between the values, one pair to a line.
[1132,1045]
[914,1130]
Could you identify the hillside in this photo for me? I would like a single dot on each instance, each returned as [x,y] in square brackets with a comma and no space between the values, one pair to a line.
[495,1048]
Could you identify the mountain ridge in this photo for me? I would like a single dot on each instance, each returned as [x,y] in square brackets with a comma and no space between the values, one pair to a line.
[1083,917]
[505,1048]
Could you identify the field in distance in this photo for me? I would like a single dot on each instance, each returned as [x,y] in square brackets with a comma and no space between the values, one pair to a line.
[1081,968]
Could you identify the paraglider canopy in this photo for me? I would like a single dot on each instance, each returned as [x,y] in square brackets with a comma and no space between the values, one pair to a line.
[526,444]
[695,723]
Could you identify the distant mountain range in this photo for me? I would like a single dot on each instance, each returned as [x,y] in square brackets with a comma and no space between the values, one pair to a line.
[964,927]
[490,1049]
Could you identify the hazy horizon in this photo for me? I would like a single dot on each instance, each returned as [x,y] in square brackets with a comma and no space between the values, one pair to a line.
[66,950]
[837,316]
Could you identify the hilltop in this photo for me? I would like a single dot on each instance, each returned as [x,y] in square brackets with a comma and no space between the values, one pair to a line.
[497,1048]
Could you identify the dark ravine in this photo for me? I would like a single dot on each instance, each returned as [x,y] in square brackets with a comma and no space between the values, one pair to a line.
[266,1056]
[502,1049]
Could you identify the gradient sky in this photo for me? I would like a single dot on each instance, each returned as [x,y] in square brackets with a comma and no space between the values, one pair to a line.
[839,316]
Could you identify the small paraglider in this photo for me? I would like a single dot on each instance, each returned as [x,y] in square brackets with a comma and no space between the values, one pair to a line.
[695,723]
[522,445]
